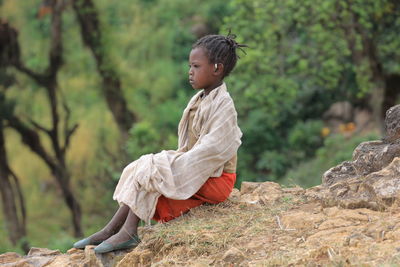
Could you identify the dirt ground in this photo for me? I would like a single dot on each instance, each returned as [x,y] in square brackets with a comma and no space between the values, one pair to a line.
[262,225]
[291,231]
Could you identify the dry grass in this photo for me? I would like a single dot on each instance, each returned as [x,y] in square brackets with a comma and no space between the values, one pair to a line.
[237,234]
[206,233]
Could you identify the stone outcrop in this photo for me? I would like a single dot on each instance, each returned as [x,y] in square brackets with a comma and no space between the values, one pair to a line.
[392,124]
[38,257]
[372,178]
[265,193]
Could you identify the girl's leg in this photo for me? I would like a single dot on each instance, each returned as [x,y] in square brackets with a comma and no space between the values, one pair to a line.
[127,232]
[113,225]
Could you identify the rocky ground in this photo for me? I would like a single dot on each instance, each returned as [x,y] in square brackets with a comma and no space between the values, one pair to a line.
[262,225]
[351,219]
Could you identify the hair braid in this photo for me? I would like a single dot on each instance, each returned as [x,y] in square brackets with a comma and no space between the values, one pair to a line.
[221,49]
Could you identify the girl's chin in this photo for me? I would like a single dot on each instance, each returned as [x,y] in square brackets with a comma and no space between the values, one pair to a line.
[195,87]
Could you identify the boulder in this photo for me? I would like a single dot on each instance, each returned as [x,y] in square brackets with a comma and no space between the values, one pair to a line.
[38,257]
[373,156]
[9,257]
[260,193]
[248,187]
[372,179]
[392,124]
[233,256]
[343,171]
[377,191]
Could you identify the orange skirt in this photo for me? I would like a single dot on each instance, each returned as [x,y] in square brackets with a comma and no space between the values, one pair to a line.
[214,190]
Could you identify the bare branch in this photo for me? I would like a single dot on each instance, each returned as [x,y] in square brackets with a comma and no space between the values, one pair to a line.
[55,54]
[20,196]
[69,133]
[91,33]
[31,139]
[38,126]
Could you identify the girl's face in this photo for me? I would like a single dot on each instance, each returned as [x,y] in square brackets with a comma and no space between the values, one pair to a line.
[202,73]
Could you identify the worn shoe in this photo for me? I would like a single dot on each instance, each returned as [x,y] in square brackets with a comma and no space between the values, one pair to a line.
[106,247]
[85,242]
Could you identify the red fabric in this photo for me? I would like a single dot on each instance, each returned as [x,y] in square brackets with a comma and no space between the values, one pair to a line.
[214,190]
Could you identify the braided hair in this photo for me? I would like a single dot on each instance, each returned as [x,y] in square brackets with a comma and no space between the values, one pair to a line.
[221,49]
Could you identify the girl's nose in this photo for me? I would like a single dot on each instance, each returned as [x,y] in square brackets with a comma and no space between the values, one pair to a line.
[190,71]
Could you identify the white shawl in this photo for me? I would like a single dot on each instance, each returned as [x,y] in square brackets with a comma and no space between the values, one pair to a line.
[180,174]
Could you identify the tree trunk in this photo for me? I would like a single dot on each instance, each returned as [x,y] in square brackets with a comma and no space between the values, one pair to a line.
[92,36]
[367,54]
[63,178]
[56,165]
[392,92]
[12,198]
[59,133]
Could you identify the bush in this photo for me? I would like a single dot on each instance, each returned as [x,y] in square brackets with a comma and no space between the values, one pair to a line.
[336,149]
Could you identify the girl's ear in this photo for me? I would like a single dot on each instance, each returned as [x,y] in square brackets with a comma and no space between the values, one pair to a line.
[218,68]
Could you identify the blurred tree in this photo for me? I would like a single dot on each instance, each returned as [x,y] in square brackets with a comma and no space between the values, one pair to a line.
[13,202]
[30,132]
[304,56]
[92,36]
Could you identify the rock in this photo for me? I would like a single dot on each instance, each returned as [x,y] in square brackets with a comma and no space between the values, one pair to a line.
[392,124]
[334,223]
[352,194]
[234,195]
[318,192]
[334,236]
[107,259]
[136,258]
[386,183]
[43,252]
[267,187]
[9,257]
[234,256]
[293,190]
[250,199]
[357,239]
[373,156]
[248,187]
[343,171]
[38,257]
[371,179]
[66,261]
[91,257]
[260,193]
[300,220]
[376,191]
[269,192]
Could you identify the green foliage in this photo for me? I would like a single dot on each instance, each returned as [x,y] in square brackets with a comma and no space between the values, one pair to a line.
[305,137]
[148,46]
[337,148]
[301,59]
[143,140]
[6,107]
[62,242]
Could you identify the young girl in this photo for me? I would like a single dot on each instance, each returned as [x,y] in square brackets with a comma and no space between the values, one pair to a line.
[162,186]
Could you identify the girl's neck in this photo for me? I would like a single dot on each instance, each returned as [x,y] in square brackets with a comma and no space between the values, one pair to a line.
[212,87]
